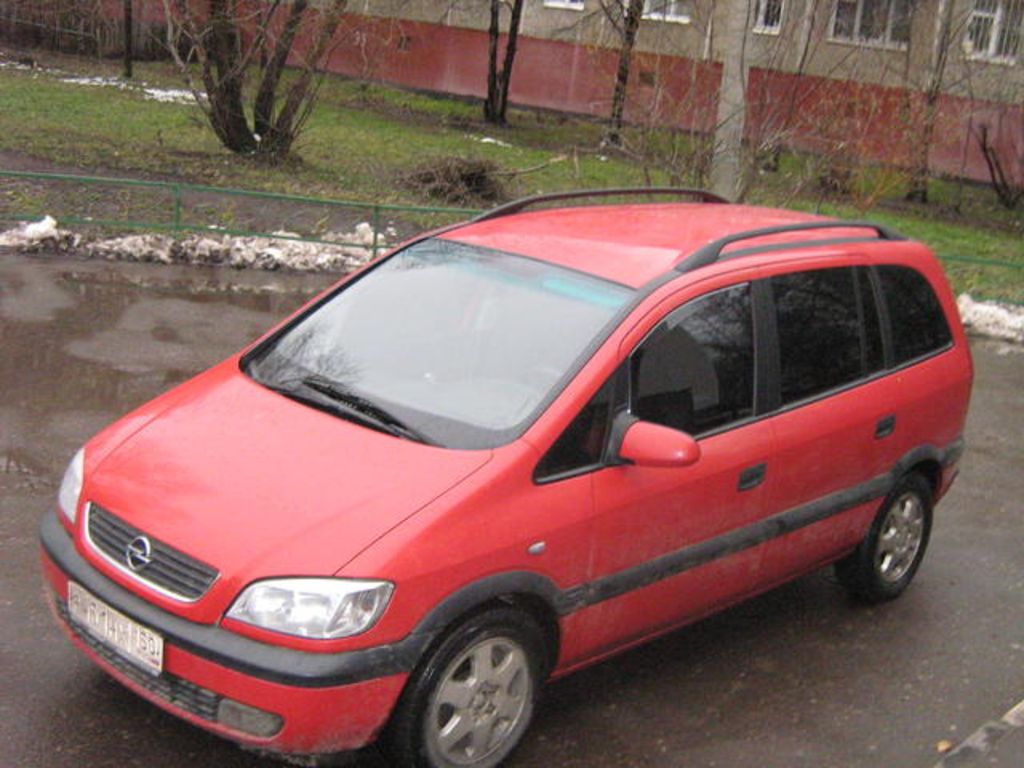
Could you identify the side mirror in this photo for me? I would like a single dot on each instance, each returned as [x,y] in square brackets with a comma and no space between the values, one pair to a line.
[652,445]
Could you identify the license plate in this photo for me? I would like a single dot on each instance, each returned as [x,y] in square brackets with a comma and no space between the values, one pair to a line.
[139,645]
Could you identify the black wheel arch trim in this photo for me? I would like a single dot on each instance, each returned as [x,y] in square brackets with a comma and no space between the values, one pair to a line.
[488,589]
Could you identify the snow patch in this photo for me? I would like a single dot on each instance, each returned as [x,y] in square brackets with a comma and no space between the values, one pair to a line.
[109,82]
[6,64]
[164,95]
[169,95]
[343,252]
[492,140]
[37,235]
[990,318]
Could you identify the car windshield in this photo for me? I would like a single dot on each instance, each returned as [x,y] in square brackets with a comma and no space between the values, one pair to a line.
[447,343]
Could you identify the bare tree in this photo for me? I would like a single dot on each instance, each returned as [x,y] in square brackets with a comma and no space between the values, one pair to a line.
[920,148]
[790,53]
[498,80]
[627,22]
[1006,173]
[229,40]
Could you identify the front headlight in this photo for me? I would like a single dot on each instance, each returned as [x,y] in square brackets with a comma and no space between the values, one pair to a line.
[71,486]
[323,609]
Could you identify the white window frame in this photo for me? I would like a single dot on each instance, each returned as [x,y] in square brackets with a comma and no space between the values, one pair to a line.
[677,17]
[565,5]
[761,27]
[999,21]
[886,41]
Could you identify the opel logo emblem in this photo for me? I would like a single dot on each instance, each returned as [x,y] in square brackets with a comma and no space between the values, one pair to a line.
[139,553]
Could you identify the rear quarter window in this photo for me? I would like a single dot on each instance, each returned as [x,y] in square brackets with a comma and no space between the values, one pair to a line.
[916,319]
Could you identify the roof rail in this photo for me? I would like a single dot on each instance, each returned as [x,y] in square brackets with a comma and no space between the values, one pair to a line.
[523,203]
[712,252]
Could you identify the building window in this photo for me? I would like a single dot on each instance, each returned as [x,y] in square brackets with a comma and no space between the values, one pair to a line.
[994,29]
[768,16]
[875,22]
[667,10]
[575,5]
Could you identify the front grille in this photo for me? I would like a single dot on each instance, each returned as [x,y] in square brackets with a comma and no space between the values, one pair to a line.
[190,697]
[169,569]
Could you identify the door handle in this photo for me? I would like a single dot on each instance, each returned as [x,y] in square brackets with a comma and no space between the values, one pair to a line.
[751,477]
[885,427]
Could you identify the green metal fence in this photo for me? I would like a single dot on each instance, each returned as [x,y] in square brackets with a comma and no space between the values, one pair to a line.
[103,203]
[93,202]
[986,279]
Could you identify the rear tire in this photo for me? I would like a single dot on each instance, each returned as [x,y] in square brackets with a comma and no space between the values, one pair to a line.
[469,704]
[887,559]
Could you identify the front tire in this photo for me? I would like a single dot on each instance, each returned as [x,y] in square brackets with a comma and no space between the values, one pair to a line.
[885,562]
[470,703]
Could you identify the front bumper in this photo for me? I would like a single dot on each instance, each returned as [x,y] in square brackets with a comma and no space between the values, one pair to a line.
[313,702]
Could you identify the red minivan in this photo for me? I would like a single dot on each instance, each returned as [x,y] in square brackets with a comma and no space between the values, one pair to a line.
[507,450]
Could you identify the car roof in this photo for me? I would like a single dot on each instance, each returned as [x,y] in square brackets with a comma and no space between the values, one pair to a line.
[628,244]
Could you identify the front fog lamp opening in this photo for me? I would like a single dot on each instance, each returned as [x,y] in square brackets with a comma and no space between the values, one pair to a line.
[321,609]
[241,717]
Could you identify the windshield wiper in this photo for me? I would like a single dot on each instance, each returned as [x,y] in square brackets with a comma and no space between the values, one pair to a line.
[367,409]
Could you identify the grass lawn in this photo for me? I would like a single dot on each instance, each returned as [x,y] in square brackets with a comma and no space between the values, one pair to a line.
[363,138]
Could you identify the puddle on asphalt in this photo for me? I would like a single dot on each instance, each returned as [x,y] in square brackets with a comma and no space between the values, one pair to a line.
[30,295]
[82,343]
[164,334]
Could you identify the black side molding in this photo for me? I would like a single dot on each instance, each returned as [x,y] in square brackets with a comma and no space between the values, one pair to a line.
[740,539]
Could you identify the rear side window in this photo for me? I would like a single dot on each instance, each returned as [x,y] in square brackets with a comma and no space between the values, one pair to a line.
[695,371]
[915,316]
[821,334]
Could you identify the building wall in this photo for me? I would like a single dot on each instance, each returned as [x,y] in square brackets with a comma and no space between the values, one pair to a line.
[806,89]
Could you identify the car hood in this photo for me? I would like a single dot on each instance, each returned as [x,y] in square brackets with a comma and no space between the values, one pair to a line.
[258,485]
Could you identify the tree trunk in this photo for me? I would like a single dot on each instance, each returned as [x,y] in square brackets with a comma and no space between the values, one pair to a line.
[630,24]
[493,35]
[727,178]
[224,81]
[510,56]
[263,107]
[301,95]
[129,39]
[917,190]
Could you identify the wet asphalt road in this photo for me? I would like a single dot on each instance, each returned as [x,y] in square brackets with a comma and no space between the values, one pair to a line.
[797,678]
